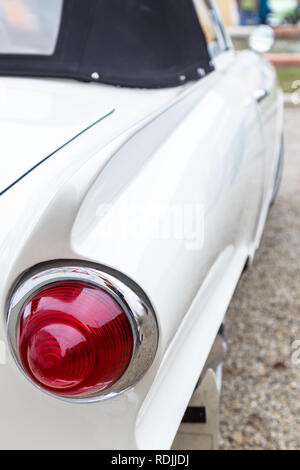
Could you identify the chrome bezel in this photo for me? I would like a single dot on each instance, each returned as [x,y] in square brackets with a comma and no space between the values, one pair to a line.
[132,299]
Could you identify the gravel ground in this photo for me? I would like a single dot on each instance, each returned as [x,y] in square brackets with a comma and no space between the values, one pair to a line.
[260,404]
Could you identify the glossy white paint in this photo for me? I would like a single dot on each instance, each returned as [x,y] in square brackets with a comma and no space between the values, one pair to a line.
[203,144]
[43,116]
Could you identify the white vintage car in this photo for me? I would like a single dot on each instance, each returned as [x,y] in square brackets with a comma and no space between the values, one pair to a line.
[140,156]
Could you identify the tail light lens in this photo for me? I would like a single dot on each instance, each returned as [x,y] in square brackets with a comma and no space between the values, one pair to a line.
[78,337]
[74,338]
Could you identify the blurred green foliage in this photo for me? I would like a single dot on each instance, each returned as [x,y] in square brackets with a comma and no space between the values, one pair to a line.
[286,77]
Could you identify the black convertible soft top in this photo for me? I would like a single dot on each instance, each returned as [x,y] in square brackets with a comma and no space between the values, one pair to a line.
[136,43]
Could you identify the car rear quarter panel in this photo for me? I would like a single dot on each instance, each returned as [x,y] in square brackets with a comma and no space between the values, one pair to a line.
[204,149]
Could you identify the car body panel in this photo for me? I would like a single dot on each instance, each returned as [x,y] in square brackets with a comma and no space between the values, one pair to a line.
[210,165]
[201,145]
[44,116]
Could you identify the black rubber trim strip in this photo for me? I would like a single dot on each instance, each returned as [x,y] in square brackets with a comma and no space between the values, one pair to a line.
[194,414]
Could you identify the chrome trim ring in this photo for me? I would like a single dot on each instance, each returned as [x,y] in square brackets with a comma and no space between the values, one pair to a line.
[137,307]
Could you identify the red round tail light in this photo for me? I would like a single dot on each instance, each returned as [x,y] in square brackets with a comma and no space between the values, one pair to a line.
[80,333]
[74,338]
